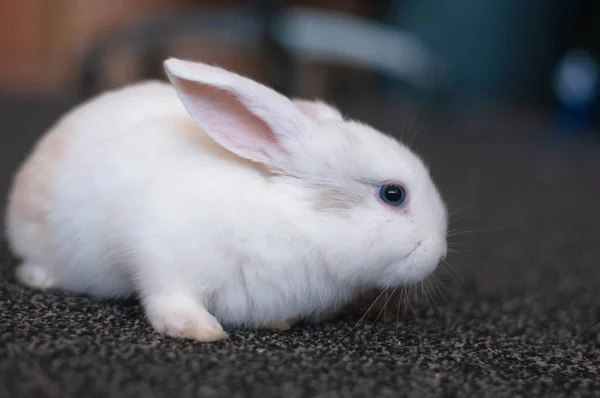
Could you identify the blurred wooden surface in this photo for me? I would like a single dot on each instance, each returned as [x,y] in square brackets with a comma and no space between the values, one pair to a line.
[42,41]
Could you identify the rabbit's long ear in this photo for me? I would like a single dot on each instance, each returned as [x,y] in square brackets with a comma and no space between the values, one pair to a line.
[317,109]
[243,116]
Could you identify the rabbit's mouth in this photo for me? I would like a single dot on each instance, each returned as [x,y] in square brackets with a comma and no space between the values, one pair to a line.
[424,258]
[417,246]
[414,249]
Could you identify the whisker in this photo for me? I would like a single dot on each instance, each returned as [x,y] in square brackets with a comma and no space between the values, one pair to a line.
[480,262]
[412,135]
[406,289]
[416,290]
[456,273]
[472,231]
[437,283]
[364,315]
[407,301]
[415,298]
[403,123]
[452,250]
[428,289]
[384,306]
[430,306]
[454,212]
[423,136]
[386,301]
[414,120]
[452,221]
[418,138]
[398,312]
[455,219]
[446,267]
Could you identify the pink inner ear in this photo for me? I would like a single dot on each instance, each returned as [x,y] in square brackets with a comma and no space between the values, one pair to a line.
[229,122]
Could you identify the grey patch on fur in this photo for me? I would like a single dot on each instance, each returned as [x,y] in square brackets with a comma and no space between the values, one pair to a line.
[331,198]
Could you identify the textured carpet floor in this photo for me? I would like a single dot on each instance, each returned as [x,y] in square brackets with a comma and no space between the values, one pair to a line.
[519,314]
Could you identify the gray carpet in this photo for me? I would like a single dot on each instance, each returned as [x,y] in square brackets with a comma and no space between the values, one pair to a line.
[517,315]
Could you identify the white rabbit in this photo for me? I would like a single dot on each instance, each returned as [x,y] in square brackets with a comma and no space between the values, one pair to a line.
[218,201]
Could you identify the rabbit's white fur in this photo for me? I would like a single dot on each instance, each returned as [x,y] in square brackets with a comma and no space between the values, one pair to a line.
[254,211]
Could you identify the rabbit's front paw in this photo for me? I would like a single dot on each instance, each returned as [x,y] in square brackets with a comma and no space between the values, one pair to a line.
[182,317]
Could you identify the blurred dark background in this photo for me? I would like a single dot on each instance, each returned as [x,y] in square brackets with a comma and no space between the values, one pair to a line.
[536,59]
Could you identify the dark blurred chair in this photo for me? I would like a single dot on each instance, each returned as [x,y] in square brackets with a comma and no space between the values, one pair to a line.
[283,35]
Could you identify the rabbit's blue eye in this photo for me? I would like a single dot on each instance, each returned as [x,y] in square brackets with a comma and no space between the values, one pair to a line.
[392,194]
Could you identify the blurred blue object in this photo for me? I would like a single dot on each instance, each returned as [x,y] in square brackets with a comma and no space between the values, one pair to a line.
[576,88]
[494,50]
